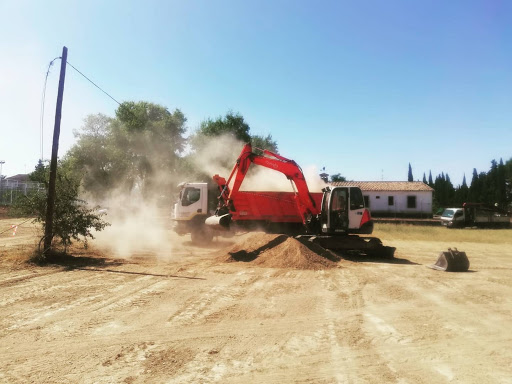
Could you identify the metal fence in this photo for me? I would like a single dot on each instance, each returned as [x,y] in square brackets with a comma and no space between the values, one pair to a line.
[10,190]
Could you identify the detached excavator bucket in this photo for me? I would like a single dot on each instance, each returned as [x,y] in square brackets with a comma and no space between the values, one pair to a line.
[452,261]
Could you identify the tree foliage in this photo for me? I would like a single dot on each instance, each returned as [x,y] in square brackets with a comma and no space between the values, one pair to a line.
[73,220]
[492,188]
[264,142]
[144,145]
[39,174]
[337,178]
[409,175]
[233,125]
[131,150]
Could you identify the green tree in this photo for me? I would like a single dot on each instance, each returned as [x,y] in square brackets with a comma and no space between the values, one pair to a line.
[508,182]
[143,142]
[337,178]
[232,125]
[474,188]
[443,191]
[73,220]
[264,142]
[39,173]
[409,175]
[461,193]
[215,135]
[501,185]
[94,158]
[152,138]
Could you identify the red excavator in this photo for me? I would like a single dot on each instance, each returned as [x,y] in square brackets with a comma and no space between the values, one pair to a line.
[331,219]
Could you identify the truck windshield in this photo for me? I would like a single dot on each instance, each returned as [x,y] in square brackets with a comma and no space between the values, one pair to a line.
[448,213]
[190,195]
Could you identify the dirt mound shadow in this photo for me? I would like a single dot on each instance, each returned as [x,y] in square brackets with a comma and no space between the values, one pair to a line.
[279,251]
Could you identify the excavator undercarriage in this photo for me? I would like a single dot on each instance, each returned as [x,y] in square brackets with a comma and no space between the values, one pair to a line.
[351,244]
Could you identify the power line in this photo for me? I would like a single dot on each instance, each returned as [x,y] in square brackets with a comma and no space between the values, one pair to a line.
[43,99]
[93,83]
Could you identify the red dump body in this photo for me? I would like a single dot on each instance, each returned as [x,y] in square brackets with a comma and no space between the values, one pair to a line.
[274,207]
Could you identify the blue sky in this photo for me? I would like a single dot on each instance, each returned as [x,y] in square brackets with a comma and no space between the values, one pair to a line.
[360,87]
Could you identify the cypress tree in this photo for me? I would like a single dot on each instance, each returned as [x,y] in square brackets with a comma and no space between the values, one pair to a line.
[409,176]
[474,188]
[501,190]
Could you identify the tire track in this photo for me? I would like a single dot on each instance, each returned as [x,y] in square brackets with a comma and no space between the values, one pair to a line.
[351,347]
[216,299]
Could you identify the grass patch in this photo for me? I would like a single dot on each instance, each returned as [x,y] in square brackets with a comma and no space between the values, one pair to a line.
[442,234]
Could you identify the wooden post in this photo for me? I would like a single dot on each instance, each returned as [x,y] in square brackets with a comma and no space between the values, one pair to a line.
[50,205]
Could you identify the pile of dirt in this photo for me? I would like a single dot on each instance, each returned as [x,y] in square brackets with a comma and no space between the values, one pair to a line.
[279,251]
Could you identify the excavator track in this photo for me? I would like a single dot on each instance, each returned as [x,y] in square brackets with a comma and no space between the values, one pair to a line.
[370,246]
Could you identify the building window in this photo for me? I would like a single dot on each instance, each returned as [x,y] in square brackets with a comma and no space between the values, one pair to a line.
[411,201]
[391,200]
[366,201]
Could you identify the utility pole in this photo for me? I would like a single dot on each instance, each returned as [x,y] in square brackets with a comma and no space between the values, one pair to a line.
[50,205]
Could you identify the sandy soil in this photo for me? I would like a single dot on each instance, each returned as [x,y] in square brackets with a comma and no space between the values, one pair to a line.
[198,315]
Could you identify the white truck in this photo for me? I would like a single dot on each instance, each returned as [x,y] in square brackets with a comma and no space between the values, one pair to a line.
[475,215]
[196,202]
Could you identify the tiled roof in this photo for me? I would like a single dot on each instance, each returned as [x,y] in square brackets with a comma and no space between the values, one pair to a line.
[18,177]
[385,185]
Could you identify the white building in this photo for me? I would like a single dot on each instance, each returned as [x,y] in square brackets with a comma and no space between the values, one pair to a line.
[395,198]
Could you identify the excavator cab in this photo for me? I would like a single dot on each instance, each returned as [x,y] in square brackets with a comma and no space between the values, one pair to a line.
[334,216]
[343,211]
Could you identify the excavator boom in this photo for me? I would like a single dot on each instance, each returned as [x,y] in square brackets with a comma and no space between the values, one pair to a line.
[306,204]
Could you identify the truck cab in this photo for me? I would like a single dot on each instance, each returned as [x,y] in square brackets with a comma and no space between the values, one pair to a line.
[191,210]
[453,217]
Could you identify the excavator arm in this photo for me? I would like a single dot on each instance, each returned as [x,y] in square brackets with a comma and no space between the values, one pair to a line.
[305,203]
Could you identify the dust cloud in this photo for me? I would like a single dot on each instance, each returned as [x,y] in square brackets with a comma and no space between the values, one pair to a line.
[315,182]
[138,227]
[140,217]
[218,156]
[266,179]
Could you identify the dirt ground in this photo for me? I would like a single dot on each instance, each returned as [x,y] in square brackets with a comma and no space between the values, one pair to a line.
[197,315]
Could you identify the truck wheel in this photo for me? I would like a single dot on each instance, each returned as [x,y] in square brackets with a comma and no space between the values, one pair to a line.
[201,236]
